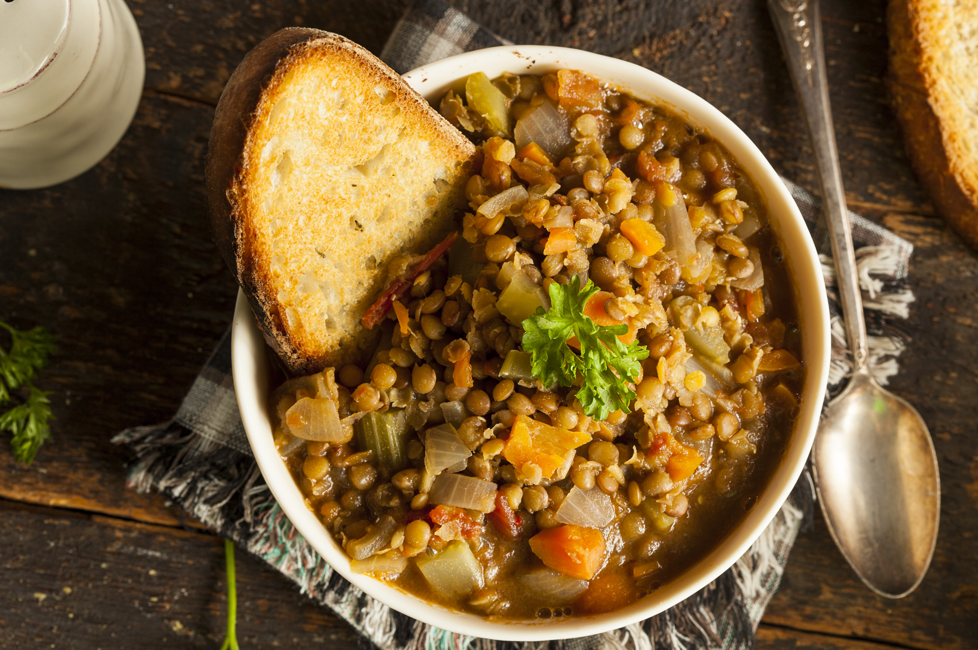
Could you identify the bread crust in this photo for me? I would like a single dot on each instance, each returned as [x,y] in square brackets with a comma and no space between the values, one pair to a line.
[936,130]
[233,175]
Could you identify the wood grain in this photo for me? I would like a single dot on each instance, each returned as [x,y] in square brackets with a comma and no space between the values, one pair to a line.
[87,581]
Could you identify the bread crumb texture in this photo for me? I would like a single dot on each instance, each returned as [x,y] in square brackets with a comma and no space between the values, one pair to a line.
[947,31]
[344,169]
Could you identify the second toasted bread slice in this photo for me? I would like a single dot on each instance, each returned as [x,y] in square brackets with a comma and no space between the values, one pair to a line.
[323,166]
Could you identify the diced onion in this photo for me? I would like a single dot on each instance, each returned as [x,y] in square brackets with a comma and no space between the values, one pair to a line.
[454,412]
[552,586]
[589,508]
[750,225]
[318,420]
[463,492]
[755,280]
[701,266]
[443,449]
[718,378]
[503,200]
[563,218]
[546,126]
[291,447]
[387,563]
[678,231]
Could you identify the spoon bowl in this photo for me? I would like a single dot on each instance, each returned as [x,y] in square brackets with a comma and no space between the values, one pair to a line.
[876,472]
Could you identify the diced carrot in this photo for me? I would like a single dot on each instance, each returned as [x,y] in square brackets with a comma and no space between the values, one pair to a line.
[643,235]
[546,446]
[560,240]
[508,523]
[609,591]
[681,466]
[753,302]
[683,460]
[535,152]
[594,309]
[577,90]
[572,550]
[462,372]
[402,317]
[778,360]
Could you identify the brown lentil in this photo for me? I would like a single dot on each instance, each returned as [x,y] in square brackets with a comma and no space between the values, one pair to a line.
[423,378]
[383,376]
[350,375]
[432,327]
[502,391]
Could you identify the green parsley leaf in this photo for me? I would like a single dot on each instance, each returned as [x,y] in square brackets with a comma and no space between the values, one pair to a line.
[28,420]
[29,424]
[29,351]
[605,363]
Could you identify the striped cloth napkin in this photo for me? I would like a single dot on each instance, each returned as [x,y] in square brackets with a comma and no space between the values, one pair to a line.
[201,460]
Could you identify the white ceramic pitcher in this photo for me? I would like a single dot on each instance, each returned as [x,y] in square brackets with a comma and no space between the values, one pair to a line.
[71,75]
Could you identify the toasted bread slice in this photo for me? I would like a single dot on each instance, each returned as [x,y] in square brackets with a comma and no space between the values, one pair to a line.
[933,81]
[323,166]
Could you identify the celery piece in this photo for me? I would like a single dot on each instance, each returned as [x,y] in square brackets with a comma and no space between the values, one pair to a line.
[707,341]
[489,101]
[461,262]
[521,299]
[518,366]
[455,572]
[387,435]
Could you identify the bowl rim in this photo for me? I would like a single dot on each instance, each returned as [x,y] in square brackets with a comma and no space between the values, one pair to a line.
[251,377]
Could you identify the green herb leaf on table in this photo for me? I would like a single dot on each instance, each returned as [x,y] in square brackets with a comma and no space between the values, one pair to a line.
[27,420]
[605,363]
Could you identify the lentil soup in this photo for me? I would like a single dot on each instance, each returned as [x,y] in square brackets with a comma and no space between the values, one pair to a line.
[581,392]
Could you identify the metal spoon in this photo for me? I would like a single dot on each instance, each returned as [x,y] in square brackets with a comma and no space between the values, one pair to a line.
[874,461]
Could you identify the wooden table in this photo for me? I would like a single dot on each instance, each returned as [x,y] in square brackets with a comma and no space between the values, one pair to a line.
[119,263]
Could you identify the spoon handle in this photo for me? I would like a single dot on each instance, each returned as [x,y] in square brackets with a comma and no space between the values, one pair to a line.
[800,32]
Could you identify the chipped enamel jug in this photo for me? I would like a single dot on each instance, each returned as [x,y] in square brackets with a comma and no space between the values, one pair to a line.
[71,75]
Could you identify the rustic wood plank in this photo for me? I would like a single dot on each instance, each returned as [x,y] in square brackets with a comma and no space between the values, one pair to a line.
[92,581]
[769,636]
[119,264]
[193,47]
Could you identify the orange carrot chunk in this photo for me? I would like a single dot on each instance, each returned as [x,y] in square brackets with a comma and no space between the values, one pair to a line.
[462,372]
[561,240]
[535,152]
[643,235]
[594,309]
[572,550]
[543,445]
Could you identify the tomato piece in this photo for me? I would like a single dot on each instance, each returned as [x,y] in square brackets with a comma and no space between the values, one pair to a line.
[376,312]
[448,514]
[505,520]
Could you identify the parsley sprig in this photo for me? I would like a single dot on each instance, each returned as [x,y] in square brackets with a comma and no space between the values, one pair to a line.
[605,363]
[28,418]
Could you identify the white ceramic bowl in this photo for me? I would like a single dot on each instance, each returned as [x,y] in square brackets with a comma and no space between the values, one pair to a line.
[431,81]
